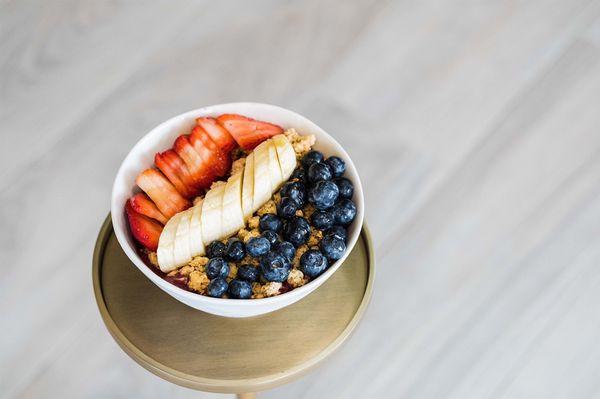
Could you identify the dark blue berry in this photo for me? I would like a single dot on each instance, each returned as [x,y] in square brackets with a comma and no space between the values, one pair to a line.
[322,220]
[215,249]
[286,249]
[235,250]
[217,287]
[299,174]
[338,231]
[318,172]
[337,165]
[287,207]
[311,157]
[270,221]
[296,230]
[323,194]
[295,190]
[239,289]
[217,267]
[271,236]
[258,246]
[333,247]
[344,212]
[274,267]
[313,263]
[248,273]
[345,187]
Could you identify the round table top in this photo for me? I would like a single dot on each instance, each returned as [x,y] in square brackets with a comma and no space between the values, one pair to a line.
[212,353]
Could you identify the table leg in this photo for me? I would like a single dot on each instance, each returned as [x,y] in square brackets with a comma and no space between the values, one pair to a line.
[248,395]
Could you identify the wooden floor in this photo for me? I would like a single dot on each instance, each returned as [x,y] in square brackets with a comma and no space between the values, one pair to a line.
[475,126]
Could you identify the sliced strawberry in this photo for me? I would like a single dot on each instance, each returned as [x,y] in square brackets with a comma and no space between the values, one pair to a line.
[200,170]
[174,168]
[218,160]
[246,131]
[161,191]
[141,203]
[217,133]
[145,230]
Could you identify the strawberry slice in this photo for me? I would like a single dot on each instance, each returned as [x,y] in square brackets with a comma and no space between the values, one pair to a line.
[161,191]
[145,230]
[217,133]
[248,132]
[174,168]
[200,171]
[219,161]
[141,203]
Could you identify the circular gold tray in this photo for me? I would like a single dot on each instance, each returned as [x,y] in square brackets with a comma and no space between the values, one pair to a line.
[211,353]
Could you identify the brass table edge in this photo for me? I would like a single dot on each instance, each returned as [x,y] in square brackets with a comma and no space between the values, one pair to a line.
[217,385]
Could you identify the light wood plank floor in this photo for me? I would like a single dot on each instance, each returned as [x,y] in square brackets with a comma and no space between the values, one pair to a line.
[476,128]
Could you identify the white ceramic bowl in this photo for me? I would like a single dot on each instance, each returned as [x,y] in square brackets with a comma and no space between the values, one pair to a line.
[161,138]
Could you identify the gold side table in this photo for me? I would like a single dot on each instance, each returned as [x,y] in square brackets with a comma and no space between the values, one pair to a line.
[216,354]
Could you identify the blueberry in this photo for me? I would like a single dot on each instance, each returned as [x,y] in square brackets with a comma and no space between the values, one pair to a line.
[269,221]
[235,250]
[344,212]
[239,289]
[274,267]
[337,165]
[337,231]
[296,230]
[322,220]
[215,249]
[345,187]
[313,263]
[271,236]
[248,273]
[299,174]
[286,249]
[217,267]
[295,190]
[311,157]
[324,194]
[319,171]
[217,287]
[333,247]
[287,207]
[258,246]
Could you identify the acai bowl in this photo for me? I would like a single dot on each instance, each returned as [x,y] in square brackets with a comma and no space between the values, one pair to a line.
[237,209]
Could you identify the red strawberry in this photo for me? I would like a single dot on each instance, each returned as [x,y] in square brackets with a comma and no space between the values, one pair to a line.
[219,161]
[217,133]
[145,230]
[174,168]
[165,196]
[141,203]
[200,170]
[246,131]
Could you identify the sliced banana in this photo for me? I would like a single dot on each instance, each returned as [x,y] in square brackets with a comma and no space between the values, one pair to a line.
[233,218]
[196,243]
[274,168]
[248,187]
[262,178]
[211,214]
[166,242]
[181,252]
[286,156]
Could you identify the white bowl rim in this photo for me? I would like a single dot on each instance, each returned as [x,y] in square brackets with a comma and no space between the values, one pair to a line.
[299,291]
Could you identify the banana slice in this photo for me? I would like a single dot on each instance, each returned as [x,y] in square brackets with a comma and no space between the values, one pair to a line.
[274,169]
[166,243]
[262,178]
[211,214]
[233,218]
[196,243]
[181,252]
[286,156]
[248,187]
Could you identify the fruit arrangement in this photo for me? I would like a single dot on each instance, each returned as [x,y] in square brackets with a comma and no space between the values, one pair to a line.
[241,209]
